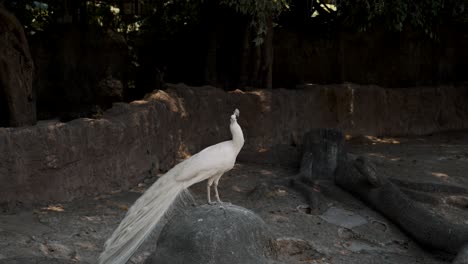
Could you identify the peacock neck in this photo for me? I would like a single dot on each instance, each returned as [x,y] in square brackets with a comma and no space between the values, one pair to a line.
[237,135]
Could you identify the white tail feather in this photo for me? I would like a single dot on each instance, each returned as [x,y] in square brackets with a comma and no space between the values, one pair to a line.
[144,215]
[141,219]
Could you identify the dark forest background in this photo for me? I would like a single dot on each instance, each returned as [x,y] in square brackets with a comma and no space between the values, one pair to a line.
[67,59]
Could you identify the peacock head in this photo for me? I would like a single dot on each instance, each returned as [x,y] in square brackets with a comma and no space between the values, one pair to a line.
[235,115]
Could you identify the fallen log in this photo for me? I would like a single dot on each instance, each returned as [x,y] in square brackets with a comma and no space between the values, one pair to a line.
[361,178]
[325,164]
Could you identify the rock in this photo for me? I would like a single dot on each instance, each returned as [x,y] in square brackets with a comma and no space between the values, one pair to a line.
[343,218]
[215,234]
[17,99]
[55,161]
[85,111]
[39,260]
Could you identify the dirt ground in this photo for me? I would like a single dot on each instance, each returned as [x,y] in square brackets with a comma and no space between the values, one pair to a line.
[346,232]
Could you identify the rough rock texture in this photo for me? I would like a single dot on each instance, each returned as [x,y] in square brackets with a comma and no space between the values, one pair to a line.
[61,161]
[220,234]
[17,99]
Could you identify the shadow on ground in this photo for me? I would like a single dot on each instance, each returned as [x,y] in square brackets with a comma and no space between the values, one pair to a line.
[345,232]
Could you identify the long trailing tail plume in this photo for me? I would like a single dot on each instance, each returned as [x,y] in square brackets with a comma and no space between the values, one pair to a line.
[141,219]
[209,164]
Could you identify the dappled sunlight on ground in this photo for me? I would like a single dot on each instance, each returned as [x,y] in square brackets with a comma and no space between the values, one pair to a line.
[440,175]
[54,208]
[266,172]
[383,156]
[76,231]
[372,140]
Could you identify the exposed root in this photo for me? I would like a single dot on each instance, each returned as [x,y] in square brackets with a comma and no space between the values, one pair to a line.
[359,177]
[421,196]
[430,187]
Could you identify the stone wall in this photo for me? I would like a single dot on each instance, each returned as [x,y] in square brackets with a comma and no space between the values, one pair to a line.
[56,161]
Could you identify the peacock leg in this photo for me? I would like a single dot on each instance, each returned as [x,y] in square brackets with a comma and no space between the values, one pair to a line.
[216,188]
[208,190]
[216,193]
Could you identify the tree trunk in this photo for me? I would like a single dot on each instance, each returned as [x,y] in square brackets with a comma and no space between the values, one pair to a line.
[267,67]
[361,178]
[211,69]
[16,73]
[322,150]
[325,161]
[256,62]
[244,75]
[256,77]
[210,14]
[341,57]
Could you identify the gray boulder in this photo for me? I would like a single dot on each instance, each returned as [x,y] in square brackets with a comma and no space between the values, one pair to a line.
[214,234]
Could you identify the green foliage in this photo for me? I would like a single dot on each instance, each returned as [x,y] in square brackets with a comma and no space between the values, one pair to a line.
[425,15]
[164,16]
[260,11]
[39,16]
[167,17]
[34,15]
[171,16]
[104,15]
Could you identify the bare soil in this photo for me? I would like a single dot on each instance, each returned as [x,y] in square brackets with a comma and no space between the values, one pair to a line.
[347,232]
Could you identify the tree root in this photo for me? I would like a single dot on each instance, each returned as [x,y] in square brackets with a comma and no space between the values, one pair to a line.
[421,196]
[324,164]
[360,177]
[430,187]
[313,195]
